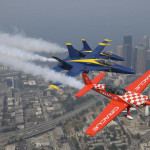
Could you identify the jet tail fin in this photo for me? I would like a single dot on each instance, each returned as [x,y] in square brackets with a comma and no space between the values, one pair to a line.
[89,84]
[72,52]
[85,45]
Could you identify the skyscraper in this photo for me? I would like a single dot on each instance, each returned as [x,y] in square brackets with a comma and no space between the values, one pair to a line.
[141,58]
[134,58]
[148,60]
[127,50]
[145,42]
[120,53]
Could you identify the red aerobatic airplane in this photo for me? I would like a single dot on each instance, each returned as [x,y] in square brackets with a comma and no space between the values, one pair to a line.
[120,99]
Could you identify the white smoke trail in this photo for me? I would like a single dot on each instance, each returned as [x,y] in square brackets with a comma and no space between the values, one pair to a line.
[31,44]
[23,55]
[44,72]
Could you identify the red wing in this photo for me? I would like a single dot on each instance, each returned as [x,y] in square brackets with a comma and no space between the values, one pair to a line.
[140,84]
[113,109]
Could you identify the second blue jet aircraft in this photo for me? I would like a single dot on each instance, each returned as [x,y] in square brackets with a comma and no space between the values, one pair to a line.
[106,55]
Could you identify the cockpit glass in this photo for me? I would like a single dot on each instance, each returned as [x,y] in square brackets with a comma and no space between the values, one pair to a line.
[105,62]
[107,53]
[109,63]
[115,90]
[101,61]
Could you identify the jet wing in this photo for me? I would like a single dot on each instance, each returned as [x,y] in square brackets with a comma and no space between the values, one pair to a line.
[58,68]
[140,84]
[110,56]
[96,68]
[74,72]
[113,109]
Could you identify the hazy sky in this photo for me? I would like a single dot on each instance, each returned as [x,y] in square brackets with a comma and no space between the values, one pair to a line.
[64,21]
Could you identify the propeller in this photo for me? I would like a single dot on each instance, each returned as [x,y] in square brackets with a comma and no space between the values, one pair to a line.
[147,111]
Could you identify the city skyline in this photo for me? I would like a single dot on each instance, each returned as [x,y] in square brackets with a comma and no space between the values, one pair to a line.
[71,21]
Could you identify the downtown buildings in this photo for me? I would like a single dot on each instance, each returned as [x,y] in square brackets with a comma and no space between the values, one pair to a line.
[136,57]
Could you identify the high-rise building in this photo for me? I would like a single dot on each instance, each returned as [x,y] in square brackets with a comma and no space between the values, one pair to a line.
[120,53]
[127,50]
[148,60]
[145,42]
[134,58]
[13,82]
[141,58]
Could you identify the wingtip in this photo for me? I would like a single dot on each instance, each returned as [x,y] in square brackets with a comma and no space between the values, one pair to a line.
[107,40]
[54,87]
[104,44]
[52,56]
[89,133]
[87,51]
[77,95]
[68,44]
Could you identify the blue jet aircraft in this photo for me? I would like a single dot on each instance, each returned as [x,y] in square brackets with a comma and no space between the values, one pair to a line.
[75,65]
[106,55]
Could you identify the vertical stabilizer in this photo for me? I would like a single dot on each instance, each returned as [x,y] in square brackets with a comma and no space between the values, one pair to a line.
[86,47]
[73,54]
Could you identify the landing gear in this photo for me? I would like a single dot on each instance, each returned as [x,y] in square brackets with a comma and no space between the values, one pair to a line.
[128,116]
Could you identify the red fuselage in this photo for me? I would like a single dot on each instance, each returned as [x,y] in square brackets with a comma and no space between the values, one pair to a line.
[119,94]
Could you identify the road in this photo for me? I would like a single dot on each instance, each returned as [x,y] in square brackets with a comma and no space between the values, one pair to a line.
[136,146]
[43,127]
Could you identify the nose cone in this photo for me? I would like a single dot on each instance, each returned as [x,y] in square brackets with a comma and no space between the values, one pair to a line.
[121,69]
[115,57]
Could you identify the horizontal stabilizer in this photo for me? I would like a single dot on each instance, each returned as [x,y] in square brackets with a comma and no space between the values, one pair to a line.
[80,53]
[58,68]
[65,64]
[84,90]
[89,84]
[97,79]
